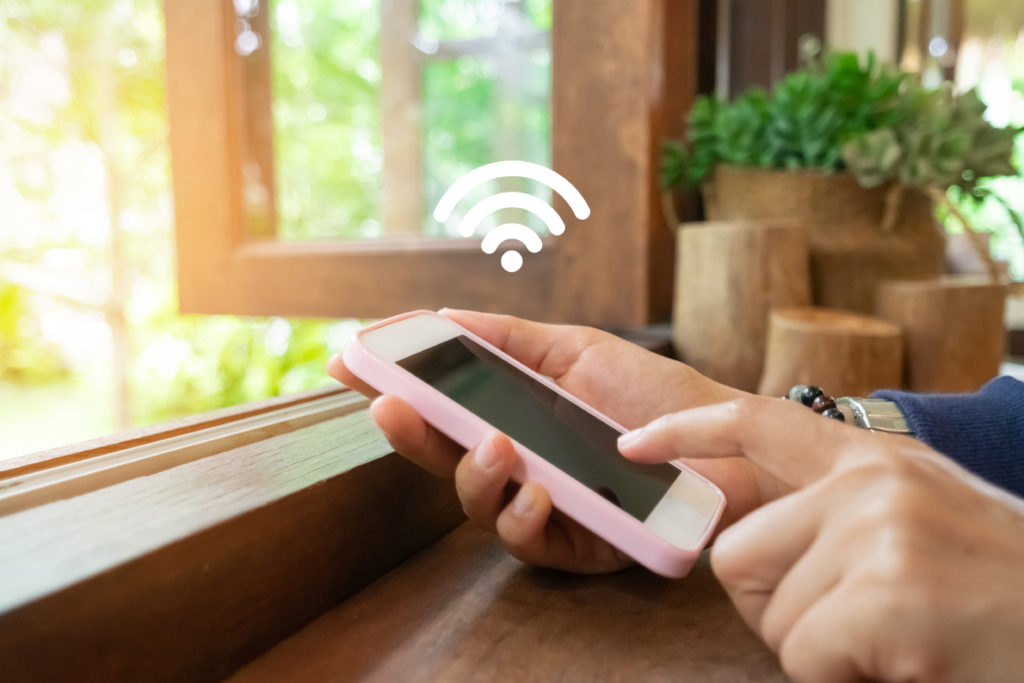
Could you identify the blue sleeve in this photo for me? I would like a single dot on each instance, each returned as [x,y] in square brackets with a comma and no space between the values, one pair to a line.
[984,431]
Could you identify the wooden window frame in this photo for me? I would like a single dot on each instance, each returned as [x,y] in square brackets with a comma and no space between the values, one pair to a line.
[756,41]
[615,269]
[182,551]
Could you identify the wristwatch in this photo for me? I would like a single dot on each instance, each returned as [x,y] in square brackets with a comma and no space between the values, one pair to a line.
[876,414]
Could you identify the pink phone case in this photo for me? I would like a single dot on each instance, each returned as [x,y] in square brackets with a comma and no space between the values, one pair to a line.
[570,496]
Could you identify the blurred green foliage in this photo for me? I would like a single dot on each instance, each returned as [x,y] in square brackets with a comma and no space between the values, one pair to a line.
[838,114]
[325,78]
[25,358]
[83,111]
[326,84]
[215,361]
[943,141]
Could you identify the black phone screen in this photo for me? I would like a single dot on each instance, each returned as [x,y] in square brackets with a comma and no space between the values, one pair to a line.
[542,420]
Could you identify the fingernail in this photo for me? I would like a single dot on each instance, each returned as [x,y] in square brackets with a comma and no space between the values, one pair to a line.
[486,455]
[523,501]
[630,438]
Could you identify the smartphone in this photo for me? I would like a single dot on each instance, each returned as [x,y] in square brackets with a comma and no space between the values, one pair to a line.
[660,515]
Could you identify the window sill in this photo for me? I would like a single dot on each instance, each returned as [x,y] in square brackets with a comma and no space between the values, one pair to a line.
[182,552]
[284,541]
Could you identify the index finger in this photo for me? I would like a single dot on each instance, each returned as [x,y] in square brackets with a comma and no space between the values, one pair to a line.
[788,440]
[336,368]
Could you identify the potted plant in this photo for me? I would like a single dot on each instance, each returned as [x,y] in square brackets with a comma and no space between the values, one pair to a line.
[859,152]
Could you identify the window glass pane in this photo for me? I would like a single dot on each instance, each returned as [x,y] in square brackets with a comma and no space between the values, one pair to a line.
[91,341]
[990,59]
[377,106]
[979,45]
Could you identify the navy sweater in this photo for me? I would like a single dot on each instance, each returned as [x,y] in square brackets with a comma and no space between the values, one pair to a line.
[984,432]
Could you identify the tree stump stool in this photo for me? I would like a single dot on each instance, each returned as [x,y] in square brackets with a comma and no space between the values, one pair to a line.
[953,330]
[847,354]
[729,275]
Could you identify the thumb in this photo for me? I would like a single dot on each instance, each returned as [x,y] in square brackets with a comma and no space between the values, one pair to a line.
[787,440]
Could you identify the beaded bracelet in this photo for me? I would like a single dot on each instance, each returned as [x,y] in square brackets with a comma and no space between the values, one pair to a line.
[817,400]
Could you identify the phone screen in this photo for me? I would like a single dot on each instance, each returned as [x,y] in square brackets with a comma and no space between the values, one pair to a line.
[554,428]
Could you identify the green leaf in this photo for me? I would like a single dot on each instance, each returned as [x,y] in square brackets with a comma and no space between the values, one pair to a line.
[839,113]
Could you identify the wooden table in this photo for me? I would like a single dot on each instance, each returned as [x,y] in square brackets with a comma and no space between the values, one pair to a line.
[285,541]
[465,610]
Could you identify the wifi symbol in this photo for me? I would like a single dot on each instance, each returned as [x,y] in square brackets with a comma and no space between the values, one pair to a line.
[511,260]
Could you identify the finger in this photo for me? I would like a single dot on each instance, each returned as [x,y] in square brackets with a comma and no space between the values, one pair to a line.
[812,576]
[336,368]
[481,477]
[522,525]
[536,533]
[852,521]
[821,645]
[789,441]
[615,376]
[753,556]
[412,437]
[548,349]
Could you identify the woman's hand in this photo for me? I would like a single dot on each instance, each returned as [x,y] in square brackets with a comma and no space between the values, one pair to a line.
[890,562]
[629,384]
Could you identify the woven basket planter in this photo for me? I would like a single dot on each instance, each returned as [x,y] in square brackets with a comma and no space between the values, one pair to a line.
[857,236]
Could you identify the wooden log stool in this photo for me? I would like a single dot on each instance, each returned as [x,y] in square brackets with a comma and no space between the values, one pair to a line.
[848,354]
[729,275]
[953,330]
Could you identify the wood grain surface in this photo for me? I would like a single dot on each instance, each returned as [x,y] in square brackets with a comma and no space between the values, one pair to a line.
[610,103]
[190,572]
[465,610]
[847,354]
[731,274]
[86,450]
[953,330]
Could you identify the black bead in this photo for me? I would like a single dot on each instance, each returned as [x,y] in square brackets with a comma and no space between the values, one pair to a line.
[835,414]
[808,395]
[823,403]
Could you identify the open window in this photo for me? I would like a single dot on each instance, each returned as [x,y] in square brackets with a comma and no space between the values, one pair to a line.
[165,551]
[621,77]
[187,549]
